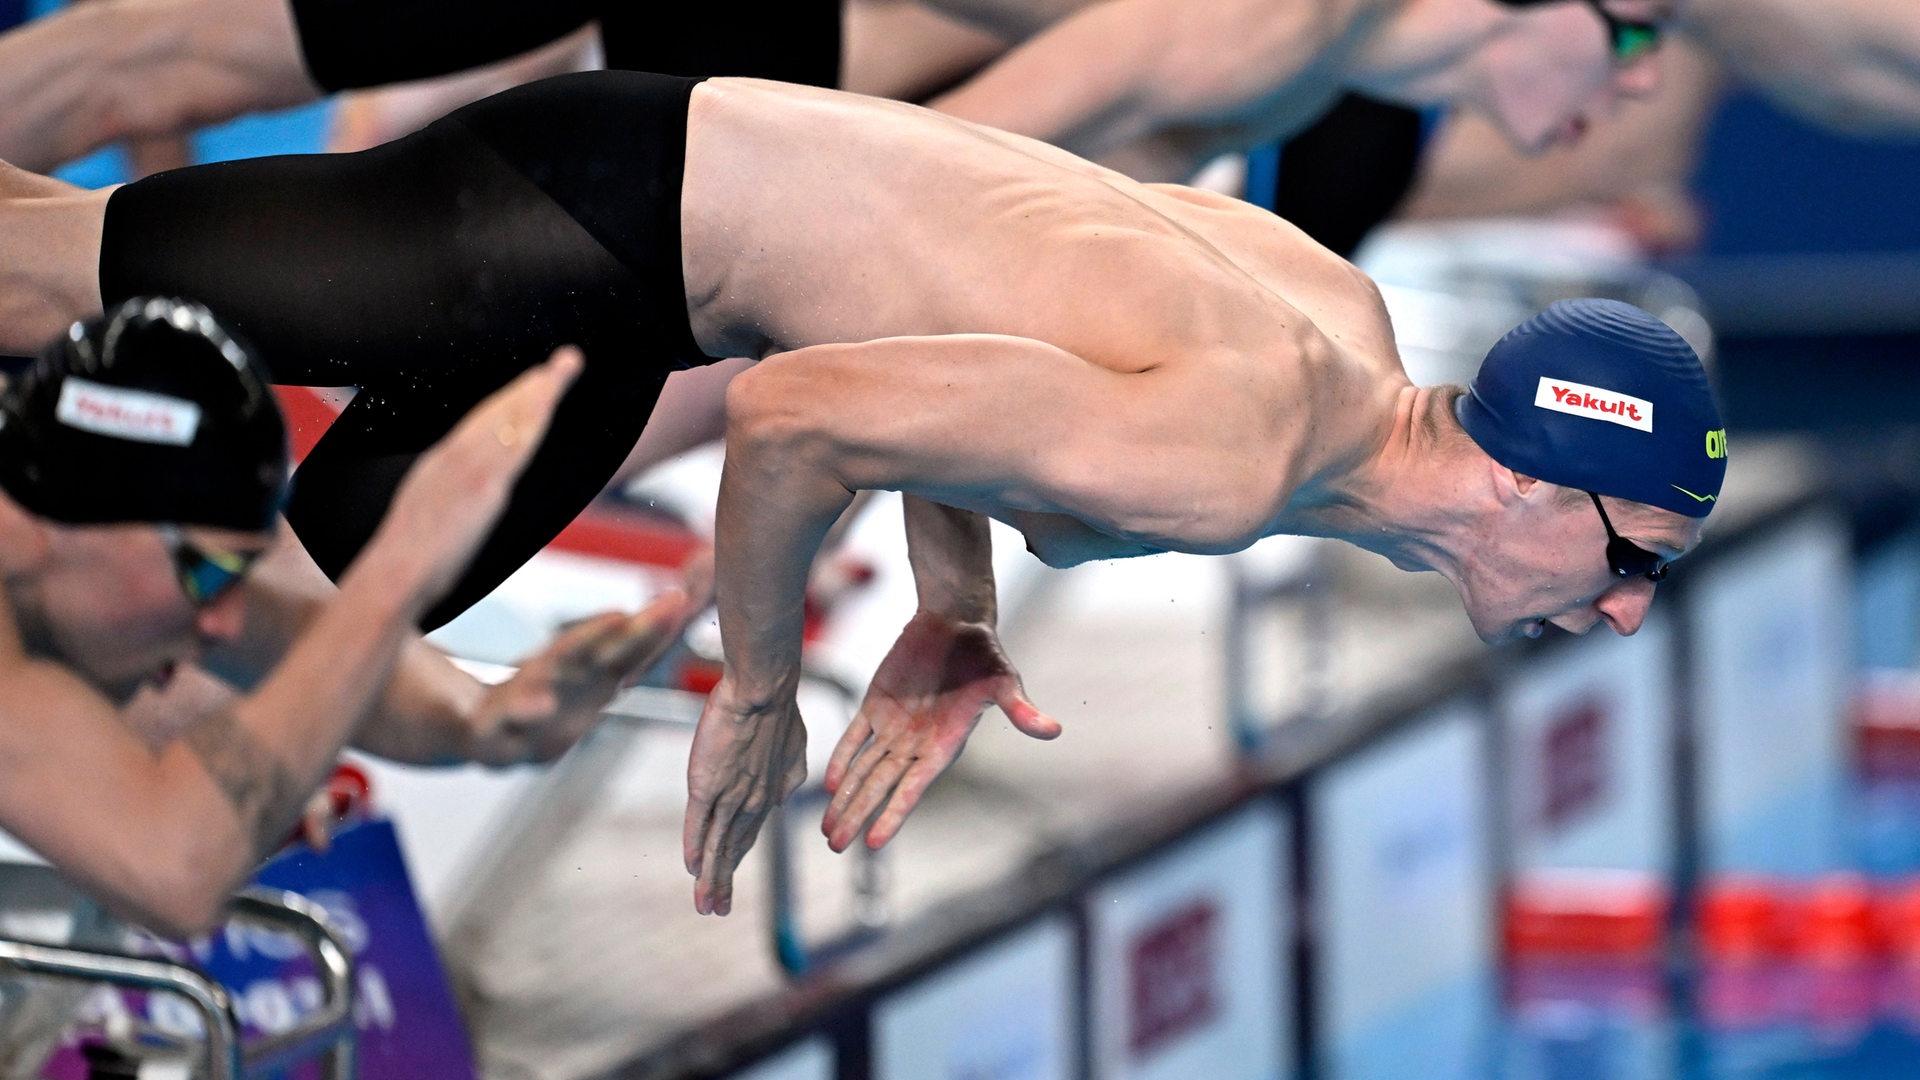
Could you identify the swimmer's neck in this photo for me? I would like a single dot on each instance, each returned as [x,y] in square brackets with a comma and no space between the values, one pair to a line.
[1417,500]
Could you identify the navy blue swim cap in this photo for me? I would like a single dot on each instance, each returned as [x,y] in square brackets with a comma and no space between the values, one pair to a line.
[1601,396]
[153,413]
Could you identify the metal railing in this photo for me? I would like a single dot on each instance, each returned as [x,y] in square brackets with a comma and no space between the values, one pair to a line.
[328,1034]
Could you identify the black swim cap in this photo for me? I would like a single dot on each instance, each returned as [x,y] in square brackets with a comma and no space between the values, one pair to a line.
[1601,396]
[151,414]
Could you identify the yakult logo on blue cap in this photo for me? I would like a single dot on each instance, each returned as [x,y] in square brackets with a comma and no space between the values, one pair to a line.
[1594,403]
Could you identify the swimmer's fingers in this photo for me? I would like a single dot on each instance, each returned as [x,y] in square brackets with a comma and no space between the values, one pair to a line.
[556,695]
[857,736]
[730,832]
[851,740]
[450,499]
[732,829]
[637,642]
[863,799]
[697,578]
[838,824]
[746,758]
[919,777]
[508,426]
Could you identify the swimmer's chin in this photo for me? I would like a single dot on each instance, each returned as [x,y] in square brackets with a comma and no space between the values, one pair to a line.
[1518,630]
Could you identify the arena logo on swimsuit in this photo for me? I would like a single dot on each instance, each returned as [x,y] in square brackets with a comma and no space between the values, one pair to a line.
[127,414]
[1594,403]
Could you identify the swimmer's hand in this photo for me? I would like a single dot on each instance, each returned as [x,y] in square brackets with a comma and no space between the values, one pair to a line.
[556,695]
[925,699]
[449,501]
[747,758]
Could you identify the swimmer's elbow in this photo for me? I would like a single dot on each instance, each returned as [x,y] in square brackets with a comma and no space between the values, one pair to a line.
[767,409]
[776,421]
[173,876]
[170,898]
[186,918]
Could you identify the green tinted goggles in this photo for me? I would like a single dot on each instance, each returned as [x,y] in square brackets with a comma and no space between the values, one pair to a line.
[1630,40]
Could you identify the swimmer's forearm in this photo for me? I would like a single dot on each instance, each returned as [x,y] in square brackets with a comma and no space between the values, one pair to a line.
[778,499]
[1146,68]
[51,75]
[427,714]
[1099,108]
[163,834]
[1853,66]
[332,677]
[951,552]
[105,70]
[376,115]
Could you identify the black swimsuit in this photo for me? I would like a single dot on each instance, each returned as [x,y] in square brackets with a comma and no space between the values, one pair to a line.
[429,272]
[350,44]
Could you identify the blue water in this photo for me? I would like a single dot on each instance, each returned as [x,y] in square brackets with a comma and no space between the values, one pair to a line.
[296,131]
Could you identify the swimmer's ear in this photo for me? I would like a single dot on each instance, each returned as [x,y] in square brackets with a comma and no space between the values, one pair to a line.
[1510,487]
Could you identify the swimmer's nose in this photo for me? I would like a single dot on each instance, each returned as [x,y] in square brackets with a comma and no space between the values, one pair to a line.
[1624,607]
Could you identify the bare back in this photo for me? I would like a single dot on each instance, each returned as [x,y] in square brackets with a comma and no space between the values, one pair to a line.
[813,217]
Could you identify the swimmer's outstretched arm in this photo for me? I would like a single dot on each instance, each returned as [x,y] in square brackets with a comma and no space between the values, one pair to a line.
[1852,65]
[374,116]
[163,835]
[1145,69]
[49,257]
[981,421]
[1633,166]
[95,73]
[107,70]
[433,713]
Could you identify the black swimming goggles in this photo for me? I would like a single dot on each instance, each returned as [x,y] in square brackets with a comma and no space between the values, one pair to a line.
[1624,557]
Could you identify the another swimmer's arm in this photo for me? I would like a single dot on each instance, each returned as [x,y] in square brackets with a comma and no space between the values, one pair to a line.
[163,835]
[105,70]
[1852,65]
[1141,67]
[1634,164]
[431,712]
[370,117]
[909,51]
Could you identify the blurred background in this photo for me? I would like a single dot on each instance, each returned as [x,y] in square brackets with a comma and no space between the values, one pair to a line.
[1301,823]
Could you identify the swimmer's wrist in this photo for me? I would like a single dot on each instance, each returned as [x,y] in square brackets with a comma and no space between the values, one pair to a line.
[759,694]
[957,597]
